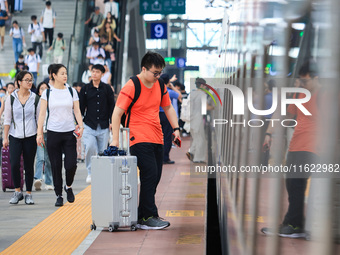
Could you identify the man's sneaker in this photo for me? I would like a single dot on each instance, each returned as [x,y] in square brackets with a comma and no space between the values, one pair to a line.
[17,196]
[60,201]
[29,199]
[49,187]
[153,223]
[70,195]
[292,232]
[286,231]
[88,179]
[37,184]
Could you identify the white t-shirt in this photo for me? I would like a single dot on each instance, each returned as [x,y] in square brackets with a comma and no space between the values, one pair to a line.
[92,52]
[3,6]
[112,7]
[60,105]
[38,29]
[32,62]
[48,16]
[17,32]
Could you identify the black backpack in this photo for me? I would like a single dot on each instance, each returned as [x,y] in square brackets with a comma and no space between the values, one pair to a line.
[125,120]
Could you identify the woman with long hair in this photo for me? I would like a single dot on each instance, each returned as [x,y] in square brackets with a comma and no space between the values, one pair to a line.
[108,19]
[20,131]
[109,32]
[61,103]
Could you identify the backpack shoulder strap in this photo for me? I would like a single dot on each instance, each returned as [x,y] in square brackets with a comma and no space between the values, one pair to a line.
[161,84]
[48,91]
[36,102]
[12,102]
[138,89]
[71,92]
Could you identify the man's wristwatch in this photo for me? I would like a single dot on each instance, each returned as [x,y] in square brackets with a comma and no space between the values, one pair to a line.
[177,128]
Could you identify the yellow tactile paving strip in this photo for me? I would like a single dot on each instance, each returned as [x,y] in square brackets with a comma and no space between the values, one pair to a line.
[60,233]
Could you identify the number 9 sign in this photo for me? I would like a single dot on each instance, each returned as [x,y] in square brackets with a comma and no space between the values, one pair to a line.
[159,31]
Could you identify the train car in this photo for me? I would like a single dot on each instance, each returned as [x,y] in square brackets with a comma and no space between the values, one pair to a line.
[268,43]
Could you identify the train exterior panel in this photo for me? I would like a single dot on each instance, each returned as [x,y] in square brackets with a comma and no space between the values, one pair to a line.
[266,42]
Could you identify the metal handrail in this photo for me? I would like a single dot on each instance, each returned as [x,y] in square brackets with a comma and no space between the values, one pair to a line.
[72,36]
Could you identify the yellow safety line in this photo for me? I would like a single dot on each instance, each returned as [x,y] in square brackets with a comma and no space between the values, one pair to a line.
[60,233]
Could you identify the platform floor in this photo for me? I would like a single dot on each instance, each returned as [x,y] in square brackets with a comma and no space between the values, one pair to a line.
[45,229]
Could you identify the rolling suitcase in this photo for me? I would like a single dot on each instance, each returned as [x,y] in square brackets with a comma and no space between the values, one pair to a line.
[114,189]
[7,181]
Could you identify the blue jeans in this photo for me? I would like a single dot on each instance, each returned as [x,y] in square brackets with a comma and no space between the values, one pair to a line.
[95,141]
[17,47]
[35,77]
[41,160]
[18,5]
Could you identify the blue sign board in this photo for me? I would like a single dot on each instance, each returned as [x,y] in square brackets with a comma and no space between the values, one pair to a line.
[180,62]
[161,7]
[159,31]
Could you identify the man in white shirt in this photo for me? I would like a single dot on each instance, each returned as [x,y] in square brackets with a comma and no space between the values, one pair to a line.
[4,5]
[37,34]
[94,52]
[48,18]
[32,61]
[3,18]
[113,7]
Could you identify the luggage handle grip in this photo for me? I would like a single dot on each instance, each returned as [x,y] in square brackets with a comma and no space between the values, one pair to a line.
[121,132]
[130,191]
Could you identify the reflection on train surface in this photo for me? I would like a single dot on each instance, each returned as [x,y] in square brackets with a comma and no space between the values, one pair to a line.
[290,51]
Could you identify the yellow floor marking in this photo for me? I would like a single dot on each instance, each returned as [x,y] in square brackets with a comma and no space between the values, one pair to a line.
[193,173]
[185,173]
[184,213]
[195,196]
[248,217]
[196,183]
[307,188]
[60,233]
[4,74]
[189,239]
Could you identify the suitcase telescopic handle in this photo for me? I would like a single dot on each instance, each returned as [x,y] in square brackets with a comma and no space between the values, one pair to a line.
[121,140]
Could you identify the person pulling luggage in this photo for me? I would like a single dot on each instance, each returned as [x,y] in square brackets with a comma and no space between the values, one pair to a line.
[146,132]
[20,129]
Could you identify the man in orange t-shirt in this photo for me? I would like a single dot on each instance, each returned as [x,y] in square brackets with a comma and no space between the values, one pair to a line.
[146,137]
[302,152]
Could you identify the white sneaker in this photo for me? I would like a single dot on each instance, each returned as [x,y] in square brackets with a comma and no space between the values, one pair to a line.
[49,187]
[37,184]
[88,179]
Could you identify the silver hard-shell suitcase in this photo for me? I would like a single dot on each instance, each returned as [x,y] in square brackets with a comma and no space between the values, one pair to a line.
[114,190]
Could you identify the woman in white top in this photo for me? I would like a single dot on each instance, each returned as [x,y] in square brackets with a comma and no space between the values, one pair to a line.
[95,37]
[106,78]
[60,102]
[20,125]
[18,39]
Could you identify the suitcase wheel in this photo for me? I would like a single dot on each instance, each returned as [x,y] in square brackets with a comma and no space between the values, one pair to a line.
[133,228]
[4,189]
[111,228]
[93,227]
